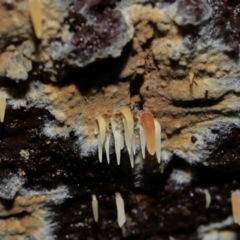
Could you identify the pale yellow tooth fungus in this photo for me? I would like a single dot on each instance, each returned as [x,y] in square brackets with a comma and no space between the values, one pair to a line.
[99,149]
[128,126]
[36,17]
[121,218]
[158,139]
[235,199]
[122,140]
[191,76]
[133,145]
[208,198]
[101,135]
[107,146]
[95,207]
[147,122]
[3,104]
[102,128]
[126,135]
[142,140]
[131,159]
[118,139]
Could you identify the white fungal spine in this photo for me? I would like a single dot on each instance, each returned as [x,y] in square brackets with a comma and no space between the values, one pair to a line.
[107,146]
[118,139]
[142,140]
[3,104]
[101,136]
[158,139]
[95,207]
[121,218]
[208,198]
[36,17]
[128,125]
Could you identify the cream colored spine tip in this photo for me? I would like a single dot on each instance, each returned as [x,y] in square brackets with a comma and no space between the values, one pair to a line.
[235,199]
[36,17]
[101,135]
[95,207]
[121,218]
[3,104]
[158,140]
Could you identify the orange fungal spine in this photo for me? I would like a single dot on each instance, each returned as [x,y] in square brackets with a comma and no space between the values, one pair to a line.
[148,124]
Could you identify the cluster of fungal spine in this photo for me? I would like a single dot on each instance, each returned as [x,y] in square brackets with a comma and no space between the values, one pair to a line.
[121,217]
[149,131]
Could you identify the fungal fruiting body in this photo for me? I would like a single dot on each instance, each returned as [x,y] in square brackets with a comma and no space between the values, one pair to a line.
[118,139]
[107,146]
[95,207]
[235,199]
[101,136]
[36,17]
[158,139]
[128,125]
[3,104]
[191,76]
[148,125]
[121,218]
[142,140]
[208,198]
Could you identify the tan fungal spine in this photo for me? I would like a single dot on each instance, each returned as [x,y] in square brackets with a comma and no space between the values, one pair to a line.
[3,104]
[235,199]
[95,207]
[121,218]
[158,139]
[36,17]
[191,76]
[208,198]
[118,139]
[101,135]
[128,125]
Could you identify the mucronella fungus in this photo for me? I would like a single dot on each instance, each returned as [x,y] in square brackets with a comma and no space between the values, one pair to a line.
[107,146]
[235,199]
[118,139]
[150,135]
[148,125]
[101,135]
[121,218]
[36,17]
[149,131]
[3,104]
[95,207]
[158,139]
[128,125]
[142,140]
